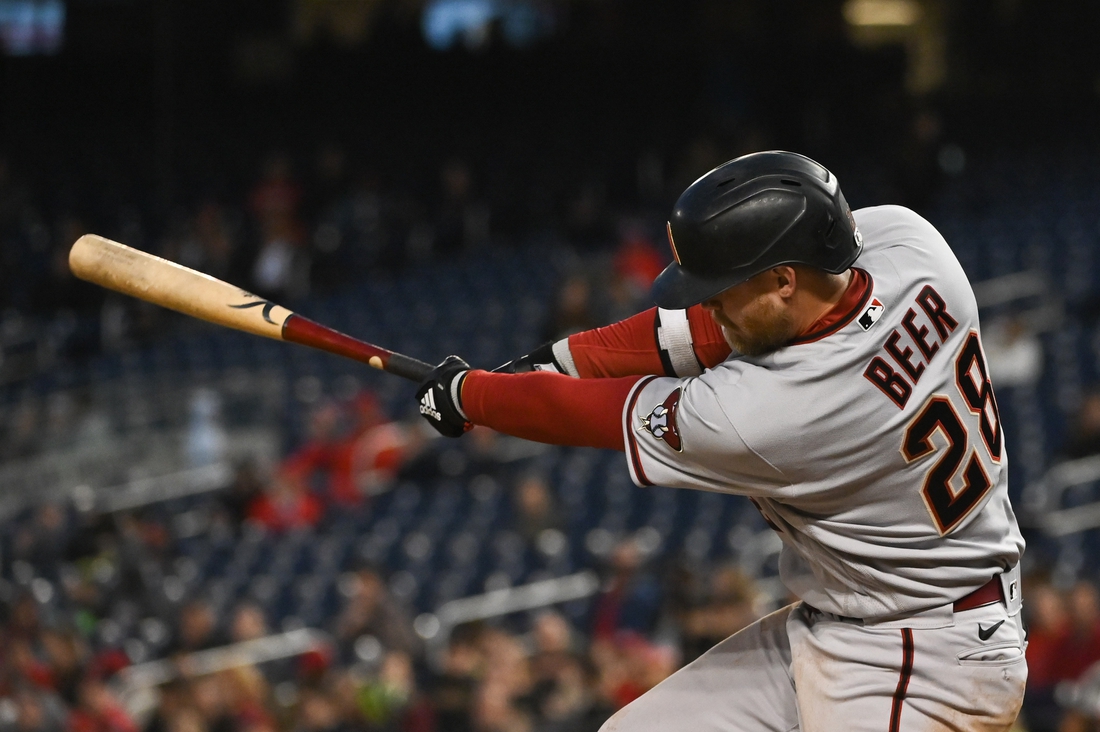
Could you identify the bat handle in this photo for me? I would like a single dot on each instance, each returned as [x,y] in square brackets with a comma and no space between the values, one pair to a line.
[304,331]
[407,367]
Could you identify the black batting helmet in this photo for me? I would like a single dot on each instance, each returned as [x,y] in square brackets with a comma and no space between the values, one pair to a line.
[749,215]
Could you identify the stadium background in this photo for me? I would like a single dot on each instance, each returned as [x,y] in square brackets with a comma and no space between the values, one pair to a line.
[475,177]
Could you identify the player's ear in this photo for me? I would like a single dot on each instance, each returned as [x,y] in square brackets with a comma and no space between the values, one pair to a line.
[786,280]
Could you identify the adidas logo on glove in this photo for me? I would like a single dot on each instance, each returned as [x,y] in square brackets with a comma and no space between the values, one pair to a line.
[427,406]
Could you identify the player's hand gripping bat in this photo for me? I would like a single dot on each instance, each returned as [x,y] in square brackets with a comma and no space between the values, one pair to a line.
[146,277]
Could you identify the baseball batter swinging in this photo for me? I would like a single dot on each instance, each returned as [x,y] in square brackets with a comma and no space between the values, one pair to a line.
[839,382]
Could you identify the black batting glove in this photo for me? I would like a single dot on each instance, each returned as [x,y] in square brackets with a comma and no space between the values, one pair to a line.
[439,400]
[540,359]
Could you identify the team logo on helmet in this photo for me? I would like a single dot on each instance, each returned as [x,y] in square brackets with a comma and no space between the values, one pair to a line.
[672,242]
[661,422]
[857,235]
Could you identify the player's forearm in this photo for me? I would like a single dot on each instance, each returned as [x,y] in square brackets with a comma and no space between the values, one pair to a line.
[548,407]
[653,342]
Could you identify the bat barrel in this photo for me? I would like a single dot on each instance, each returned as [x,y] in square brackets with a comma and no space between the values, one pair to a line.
[132,272]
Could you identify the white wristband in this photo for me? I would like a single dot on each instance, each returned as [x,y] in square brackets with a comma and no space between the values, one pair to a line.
[674,337]
[565,357]
[456,394]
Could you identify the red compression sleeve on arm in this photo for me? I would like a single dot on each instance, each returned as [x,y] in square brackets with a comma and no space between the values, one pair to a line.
[626,348]
[706,338]
[548,407]
[629,347]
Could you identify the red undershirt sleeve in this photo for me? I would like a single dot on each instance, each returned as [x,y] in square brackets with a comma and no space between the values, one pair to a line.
[630,347]
[546,407]
[625,348]
[707,340]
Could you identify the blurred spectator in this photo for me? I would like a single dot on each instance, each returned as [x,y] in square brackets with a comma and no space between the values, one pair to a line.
[453,691]
[534,506]
[42,540]
[500,702]
[21,434]
[249,623]
[629,665]
[368,210]
[573,309]
[630,598]
[1081,701]
[1081,648]
[317,712]
[636,263]
[205,242]
[36,711]
[1014,352]
[328,208]
[1083,438]
[247,698]
[320,456]
[565,695]
[197,629]
[391,701]
[173,698]
[281,267]
[67,654]
[206,437]
[462,222]
[216,237]
[98,710]
[729,607]
[209,696]
[1049,630]
[247,487]
[371,610]
[553,634]
[25,664]
[569,699]
[286,504]
[187,719]
[352,450]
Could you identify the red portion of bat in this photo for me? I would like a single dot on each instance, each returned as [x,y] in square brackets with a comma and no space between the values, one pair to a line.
[304,331]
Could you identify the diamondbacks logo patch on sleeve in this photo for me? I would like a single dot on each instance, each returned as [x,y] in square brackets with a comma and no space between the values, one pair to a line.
[661,422]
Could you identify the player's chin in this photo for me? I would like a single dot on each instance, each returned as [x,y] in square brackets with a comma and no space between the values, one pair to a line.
[756,344]
[732,340]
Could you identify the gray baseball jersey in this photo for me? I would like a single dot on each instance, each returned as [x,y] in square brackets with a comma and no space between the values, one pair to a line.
[875,448]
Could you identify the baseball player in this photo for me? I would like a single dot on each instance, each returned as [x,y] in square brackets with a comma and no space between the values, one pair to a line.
[829,366]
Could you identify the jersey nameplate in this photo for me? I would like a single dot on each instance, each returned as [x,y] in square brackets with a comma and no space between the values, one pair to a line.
[895,378]
[661,422]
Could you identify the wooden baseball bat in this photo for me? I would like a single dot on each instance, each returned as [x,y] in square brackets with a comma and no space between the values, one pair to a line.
[146,277]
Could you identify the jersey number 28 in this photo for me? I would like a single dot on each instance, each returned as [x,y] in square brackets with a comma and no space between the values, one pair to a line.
[948,506]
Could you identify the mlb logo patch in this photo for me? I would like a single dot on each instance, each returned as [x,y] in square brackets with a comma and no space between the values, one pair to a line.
[871,315]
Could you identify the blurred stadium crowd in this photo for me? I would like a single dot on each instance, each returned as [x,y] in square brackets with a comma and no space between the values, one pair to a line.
[87,593]
[359,525]
[202,531]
